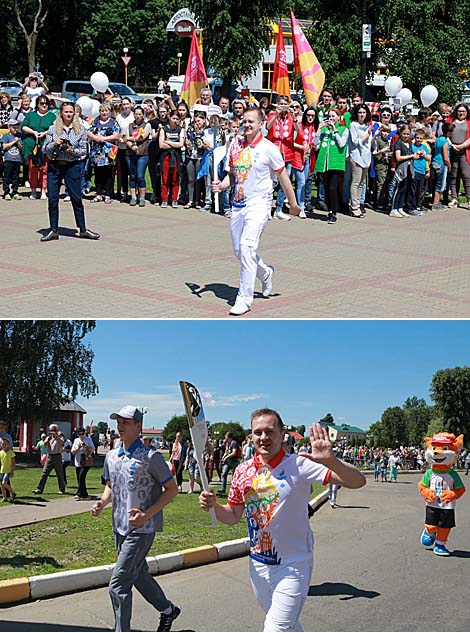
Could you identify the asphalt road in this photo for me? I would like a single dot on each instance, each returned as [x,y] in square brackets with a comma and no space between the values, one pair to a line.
[371,574]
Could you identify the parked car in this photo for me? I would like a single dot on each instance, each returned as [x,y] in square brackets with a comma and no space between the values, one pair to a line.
[13,88]
[75,88]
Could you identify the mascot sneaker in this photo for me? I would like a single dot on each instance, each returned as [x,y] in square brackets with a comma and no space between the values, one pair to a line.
[427,539]
[441,550]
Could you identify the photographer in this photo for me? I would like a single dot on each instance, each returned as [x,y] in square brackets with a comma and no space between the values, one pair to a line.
[66,148]
[35,87]
[54,460]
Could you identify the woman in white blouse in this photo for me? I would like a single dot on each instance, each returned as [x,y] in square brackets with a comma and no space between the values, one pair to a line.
[360,141]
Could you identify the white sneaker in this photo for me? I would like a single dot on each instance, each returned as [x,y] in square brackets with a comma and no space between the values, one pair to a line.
[302,214]
[67,199]
[239,308]
[43,196]
[403,213]
[267,283]
[395,214]
[280,215]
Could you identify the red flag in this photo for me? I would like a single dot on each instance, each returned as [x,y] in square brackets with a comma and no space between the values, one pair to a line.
[306,64]
[280,83]
[91,428]
[195,77]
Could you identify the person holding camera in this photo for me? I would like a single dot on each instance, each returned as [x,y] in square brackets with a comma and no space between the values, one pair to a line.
[54,461]
[66,148]
[83,450]
[35,87]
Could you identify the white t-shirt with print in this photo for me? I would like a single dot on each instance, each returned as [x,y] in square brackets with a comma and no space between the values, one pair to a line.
[275,496]
[254,166]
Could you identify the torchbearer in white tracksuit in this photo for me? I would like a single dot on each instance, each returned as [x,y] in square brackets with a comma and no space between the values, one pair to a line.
[253,163]
[273,490]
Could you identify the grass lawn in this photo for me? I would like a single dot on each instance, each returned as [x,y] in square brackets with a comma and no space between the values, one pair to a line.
[81,541]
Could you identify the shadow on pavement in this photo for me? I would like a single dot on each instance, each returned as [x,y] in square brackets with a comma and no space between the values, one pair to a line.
[340,588]
[11,625]
[460,553]
[63,232]
[353,507]
[222,291]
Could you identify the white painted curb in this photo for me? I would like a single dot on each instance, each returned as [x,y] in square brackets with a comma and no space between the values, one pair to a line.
[48,585]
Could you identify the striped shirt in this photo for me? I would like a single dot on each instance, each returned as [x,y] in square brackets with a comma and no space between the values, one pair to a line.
[78,142]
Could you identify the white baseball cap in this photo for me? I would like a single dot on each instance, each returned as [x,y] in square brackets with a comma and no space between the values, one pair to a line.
[129,412]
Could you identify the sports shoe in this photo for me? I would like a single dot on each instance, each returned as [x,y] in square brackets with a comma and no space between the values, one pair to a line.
[413,212]
[394,213]
[36,491]
[167,620]
[17,196]
[7,196]
[164,204]
[239,308]
[437,207]
[453,203]
[302,214]
[67,199]
[133,201]
[267,283]
[33,196]
[441,550]
[174,204]
[427,539]
[142,202]
[280,215]
[43,195]
[206,207]
[228,213]
[332,218]
[403,213]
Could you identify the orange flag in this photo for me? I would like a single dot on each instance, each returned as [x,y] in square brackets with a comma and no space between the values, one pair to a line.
[281,75]
[195,77]
[306,64]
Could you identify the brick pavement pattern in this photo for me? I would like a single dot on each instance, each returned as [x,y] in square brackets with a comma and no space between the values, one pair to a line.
[176,263]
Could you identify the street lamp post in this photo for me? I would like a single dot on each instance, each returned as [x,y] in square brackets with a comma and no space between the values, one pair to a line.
[125,59]
[179,56]
[368,7]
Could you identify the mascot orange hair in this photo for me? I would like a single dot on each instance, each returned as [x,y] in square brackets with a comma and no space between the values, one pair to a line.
[440,487]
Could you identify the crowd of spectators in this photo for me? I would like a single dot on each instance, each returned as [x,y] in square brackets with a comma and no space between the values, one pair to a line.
[354,159]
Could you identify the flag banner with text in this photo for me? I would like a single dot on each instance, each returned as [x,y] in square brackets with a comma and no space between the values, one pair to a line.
[281,75]
[195,77]
[306,64]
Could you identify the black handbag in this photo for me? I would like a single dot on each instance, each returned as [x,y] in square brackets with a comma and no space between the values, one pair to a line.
[37,157]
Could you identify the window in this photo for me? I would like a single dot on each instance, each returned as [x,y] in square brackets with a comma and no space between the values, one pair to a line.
[268,71]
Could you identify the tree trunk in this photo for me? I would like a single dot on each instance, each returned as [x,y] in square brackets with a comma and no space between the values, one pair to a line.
[31,46]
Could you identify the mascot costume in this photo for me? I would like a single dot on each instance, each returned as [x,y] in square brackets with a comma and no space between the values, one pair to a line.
[440,487]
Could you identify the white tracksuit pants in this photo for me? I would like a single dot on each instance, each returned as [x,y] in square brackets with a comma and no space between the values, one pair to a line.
[281,591]
[246,227]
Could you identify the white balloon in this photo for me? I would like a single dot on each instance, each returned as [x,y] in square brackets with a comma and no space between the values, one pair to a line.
[86,104]
[99,81]
[393,85]
[405,96]
[95,107]
[428,95]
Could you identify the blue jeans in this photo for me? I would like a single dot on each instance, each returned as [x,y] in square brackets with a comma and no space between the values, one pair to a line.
[281,196]
[137,167]
[131,569]
[301,176]
[71,173]
[226,468]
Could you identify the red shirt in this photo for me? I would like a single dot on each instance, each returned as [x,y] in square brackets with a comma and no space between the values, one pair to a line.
[282,135]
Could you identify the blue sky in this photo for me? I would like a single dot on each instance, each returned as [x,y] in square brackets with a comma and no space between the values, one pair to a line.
[304,369]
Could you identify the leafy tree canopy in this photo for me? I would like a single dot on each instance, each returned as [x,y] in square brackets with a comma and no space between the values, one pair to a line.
[450,389]
[175,424]
[43,364]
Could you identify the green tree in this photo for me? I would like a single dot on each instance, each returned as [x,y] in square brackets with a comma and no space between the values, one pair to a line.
[327,420]
[393,420]
[102,427]
[450,390]
[436,425]
[219,429]
[175,424]
[301,429]
[417,417]
[236,34]
[43,364]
